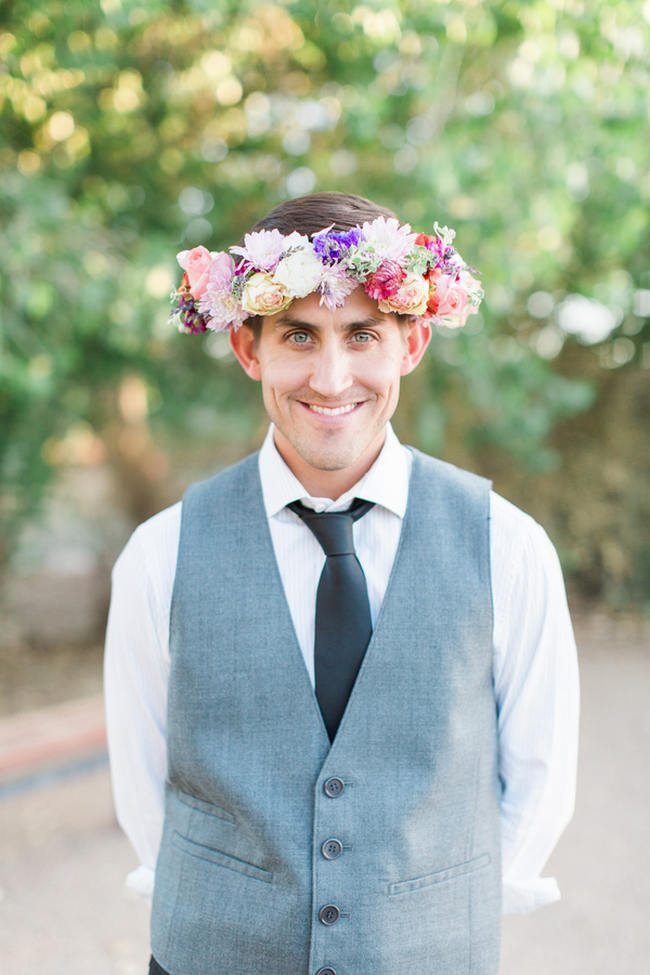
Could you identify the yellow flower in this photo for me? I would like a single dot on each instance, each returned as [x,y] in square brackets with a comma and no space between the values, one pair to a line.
[410,299]
[264,296]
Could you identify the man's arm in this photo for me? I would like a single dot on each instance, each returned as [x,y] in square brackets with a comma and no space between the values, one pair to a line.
[136,666]
[536,688]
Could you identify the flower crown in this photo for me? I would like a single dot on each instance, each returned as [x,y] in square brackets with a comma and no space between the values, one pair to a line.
[420,275]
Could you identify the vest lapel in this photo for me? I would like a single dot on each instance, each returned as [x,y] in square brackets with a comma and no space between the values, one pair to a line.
[265,594]
[375,654]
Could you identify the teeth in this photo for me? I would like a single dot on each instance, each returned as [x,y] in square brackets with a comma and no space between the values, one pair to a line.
[332,411]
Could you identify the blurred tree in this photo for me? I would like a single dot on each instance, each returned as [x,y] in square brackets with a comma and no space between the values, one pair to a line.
[132,130]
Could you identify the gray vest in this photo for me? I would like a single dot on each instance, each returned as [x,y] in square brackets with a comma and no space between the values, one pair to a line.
[394,829]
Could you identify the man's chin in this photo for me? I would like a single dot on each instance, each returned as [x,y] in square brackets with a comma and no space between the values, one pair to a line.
[331,453]
[329,457]
[330,463]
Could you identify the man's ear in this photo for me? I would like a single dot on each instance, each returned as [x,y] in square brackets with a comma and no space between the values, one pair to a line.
[417,337]
[242,342]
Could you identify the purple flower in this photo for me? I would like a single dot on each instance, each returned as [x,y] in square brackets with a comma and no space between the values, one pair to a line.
[330,247]
[188,316]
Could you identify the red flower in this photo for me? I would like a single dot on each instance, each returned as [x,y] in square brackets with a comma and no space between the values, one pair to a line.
[434,298]
[385,281]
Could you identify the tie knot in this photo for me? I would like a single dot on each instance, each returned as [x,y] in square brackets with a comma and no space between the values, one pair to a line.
[333,529]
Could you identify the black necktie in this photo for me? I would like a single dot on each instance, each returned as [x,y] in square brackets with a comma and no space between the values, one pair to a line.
[343,625]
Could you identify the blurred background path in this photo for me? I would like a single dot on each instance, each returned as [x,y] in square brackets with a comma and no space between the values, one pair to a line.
[64,909]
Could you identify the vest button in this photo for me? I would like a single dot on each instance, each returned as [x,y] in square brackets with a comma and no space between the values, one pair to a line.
[329,914]
[331,849]
[325,971]
[333,787]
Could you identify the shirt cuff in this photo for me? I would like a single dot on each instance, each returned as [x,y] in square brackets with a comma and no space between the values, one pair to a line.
[141,881]
[522,898]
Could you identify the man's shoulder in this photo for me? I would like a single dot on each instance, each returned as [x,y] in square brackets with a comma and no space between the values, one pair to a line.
[160,525]
[517,540]
[509,523]
[243,470]
[233,481]
[153,545]
[160,531]
[510,516]
[433,473]
[503,509]
[437,464]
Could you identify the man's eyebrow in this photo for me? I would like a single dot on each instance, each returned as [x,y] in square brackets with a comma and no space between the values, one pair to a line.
[287,320]
[368,322]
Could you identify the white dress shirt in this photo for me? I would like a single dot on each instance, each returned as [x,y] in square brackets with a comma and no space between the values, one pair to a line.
[534,658]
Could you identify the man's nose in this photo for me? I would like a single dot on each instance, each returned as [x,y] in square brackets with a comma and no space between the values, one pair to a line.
[331,372]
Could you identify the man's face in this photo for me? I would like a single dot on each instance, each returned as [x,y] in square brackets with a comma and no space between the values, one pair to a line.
[330,383]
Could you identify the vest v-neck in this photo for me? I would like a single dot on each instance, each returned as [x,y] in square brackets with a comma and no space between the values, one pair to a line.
[296,653]
[373,650]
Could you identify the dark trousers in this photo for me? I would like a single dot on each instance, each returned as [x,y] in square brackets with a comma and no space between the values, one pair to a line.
[154,967]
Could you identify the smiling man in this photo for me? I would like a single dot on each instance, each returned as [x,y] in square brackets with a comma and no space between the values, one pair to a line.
[341,677]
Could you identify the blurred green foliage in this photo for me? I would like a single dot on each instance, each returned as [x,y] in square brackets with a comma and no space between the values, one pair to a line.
[129,131]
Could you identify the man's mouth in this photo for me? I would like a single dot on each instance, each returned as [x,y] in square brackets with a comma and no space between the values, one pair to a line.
[332,410]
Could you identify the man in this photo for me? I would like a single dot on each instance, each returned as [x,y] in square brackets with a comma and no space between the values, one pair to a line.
[341,678]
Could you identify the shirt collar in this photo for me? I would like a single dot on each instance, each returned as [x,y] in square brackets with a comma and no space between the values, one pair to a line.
[385,483]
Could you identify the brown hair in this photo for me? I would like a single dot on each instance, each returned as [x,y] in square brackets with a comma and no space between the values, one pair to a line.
[309,214]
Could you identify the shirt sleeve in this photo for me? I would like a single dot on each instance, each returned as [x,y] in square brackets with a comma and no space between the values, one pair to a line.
[136,669]
[536,688]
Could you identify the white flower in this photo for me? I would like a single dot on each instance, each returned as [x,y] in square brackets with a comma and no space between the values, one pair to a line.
[390,241]
[295,241]
[262,249]
[446,234]
[299,273]
[336,284]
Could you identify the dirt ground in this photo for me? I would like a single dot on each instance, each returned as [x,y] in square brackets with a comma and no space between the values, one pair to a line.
[64,909]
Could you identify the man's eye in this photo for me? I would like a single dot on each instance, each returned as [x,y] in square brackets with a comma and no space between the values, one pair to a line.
[299,338]
[362,337]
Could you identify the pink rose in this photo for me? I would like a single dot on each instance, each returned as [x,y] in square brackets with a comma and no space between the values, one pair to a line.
[449,299]
[410,299]
[454,306]
[196,263]
[454,302]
